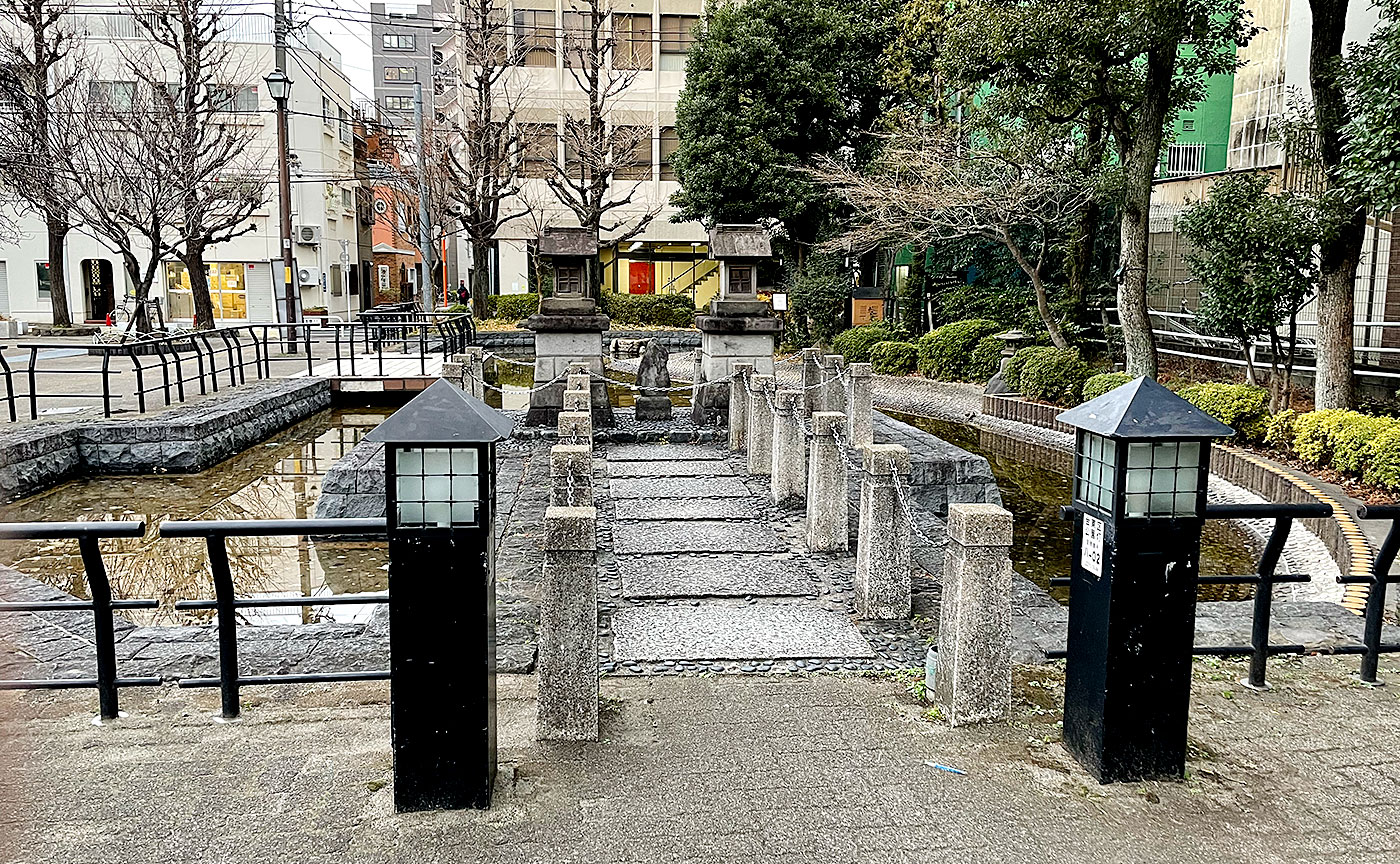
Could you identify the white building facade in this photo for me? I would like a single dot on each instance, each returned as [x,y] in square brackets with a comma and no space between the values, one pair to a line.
[245,273]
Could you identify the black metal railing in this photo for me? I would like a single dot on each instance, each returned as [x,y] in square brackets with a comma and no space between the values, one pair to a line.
[1379,577]
[1260,648]
[171,368]
[226,603]
[89,536]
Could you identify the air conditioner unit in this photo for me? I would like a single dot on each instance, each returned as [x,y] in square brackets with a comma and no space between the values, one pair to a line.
[308,235]
[309,275]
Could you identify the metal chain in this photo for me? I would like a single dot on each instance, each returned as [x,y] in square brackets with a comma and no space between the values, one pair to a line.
[901,497]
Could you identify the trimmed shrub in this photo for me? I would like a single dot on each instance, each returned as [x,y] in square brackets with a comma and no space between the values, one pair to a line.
[855,344]
[894,358]
[512,307]
[1311,435]
[1242,407]
[1101,384]
[1384,464]
[986,358]
[946,353]
[1279,430]
[1012,376]
[1054,375]
[658,310]
[1352,438]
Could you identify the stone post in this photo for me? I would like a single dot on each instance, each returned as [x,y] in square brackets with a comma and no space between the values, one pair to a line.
[759,434]
[571,475]
[474,371]
[972,682]
[828,511]
[811,377]
[882,535]
[739,405]
[576,427]
[834,389]
[789,471]
[578,381]
[567,705]
[577,400]
[860,428]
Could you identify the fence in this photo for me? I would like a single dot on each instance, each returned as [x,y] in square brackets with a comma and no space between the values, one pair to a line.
[1260,649]
[172,367]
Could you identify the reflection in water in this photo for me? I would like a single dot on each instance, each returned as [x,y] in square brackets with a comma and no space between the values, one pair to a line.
[277,479]
[515,381]
[1034,483]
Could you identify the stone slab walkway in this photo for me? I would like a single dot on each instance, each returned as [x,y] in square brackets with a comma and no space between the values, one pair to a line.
[708,770]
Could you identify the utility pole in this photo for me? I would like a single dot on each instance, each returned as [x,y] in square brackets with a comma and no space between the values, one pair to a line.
[424,243]
[281,95]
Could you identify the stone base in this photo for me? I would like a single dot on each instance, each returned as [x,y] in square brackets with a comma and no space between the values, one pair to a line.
[726,341]
[654,408]
[559,341]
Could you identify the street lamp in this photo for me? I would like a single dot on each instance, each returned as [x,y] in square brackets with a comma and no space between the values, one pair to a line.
[1142,460]
[279,87]
[439,472]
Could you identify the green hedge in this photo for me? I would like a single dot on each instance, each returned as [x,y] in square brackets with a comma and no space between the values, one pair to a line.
[1384,467]
[985,359]
[1055,375]
[1242,407]
[855,344]
[1012,375]
[1346,441]
[1102,383]
[512,307]
[894,358]
[1279,432]
[659,310]
[946,353]
[1312,435]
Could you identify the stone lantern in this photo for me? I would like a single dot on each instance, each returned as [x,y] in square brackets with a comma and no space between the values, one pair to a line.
[1012,340]
[740,328]
[568,327]
[439,467]
[1142,460]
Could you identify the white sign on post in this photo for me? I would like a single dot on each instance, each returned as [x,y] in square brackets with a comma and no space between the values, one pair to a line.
[1091,545]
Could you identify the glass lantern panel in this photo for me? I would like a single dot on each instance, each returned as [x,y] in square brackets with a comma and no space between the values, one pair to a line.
[438,514]
[409,462]
[1189,453]
[464,488]
[1162,481]
[437,460]
[463,512]
[437,488]
[411,513]
[1110,451]
[1164,455]
[1139,479]
[1185,503]
[1135,505]
[410,488]
[1105,498]
[464,461]
[1162,504]
[1139,455]
[1186,479]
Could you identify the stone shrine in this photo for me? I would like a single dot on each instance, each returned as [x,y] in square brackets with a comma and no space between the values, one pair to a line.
[740,328]
[568,327]
[654,380]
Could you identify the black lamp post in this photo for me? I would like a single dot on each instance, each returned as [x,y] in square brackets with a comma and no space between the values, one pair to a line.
[1142,459]
[439,465]
[279,87]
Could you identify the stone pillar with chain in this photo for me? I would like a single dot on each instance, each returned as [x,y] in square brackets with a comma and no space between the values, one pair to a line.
[882,549]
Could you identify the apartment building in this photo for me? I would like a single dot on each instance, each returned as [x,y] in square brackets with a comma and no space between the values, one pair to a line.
[1236,128]
[245,273]
[652,40]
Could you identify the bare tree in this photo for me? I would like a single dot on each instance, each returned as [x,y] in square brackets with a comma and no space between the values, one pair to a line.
[202,148]
[480,156]
[932,187]
[35,49]
[599,150]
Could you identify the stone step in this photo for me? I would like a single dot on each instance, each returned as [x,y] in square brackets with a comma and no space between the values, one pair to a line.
[712,631]
[698,535]
[671,468]
[645,510]
[678,487]
[653,452]
[649,577]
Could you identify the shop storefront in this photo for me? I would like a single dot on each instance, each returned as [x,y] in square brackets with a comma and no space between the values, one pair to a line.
[228,291]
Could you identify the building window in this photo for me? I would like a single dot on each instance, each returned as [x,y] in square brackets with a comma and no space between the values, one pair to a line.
[228,290]
[632,49]
[1183,160]
[534,36]
[670,141]
[326,113]
[399,41]
[43,279]
[633,144]
[1188,124]
[400,73]
[347,199]
[398,103]
[117,95]
[677,35]
[539,148]
[344,125]
[234,99]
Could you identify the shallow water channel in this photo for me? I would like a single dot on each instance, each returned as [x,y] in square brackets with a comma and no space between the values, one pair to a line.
[1034,484]
[277,479]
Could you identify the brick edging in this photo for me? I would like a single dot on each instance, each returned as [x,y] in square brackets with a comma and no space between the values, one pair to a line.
[1013,407]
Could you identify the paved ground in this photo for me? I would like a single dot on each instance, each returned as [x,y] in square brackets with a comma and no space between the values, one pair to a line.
[709,769]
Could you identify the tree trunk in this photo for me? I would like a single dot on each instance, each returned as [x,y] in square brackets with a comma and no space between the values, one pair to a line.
[1042,301]
[481,277]
[56,224]
[1139,151]
[199,288]
[1086,228]
[1339,257]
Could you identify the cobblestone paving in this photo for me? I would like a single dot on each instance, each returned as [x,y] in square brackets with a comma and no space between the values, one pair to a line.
[709,770]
